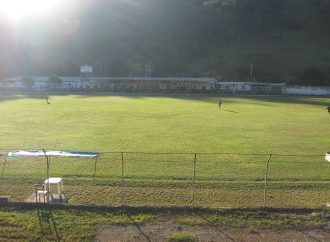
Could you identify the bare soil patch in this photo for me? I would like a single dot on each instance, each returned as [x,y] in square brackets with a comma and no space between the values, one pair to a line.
[161,229]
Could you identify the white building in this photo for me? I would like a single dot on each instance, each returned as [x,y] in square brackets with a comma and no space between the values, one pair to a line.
[250,87]
[41,83]
[308,90]
[125,84]
[158,85]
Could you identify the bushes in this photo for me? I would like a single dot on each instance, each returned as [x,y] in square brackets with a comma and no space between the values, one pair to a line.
[313,77]
[309,77]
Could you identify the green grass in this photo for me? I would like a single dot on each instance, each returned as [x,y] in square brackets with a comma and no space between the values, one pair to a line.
[166,124]
[181,237]
[262,125]
[66,225]
[77,225]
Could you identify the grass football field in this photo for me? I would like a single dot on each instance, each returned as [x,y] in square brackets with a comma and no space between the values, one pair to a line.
[166,124]
[295,129]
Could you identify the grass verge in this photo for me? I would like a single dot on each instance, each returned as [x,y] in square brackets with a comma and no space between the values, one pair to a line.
[32,224]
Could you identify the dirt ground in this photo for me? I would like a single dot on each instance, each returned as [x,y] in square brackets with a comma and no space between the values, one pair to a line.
[160,230]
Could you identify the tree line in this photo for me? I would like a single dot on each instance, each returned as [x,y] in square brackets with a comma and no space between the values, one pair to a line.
[217,38]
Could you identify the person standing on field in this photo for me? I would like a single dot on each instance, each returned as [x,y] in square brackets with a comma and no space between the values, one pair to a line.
[47,98]
[328,110]
[220,102]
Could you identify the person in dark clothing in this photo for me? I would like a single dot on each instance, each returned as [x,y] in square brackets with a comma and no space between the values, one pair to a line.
[328,109]
[220,102]
[47,98]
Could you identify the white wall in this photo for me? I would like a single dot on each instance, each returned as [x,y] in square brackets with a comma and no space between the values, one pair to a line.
[234,86]
[307,90]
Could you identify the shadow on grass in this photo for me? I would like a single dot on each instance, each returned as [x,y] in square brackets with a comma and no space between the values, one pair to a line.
[47,223]
[291,100]
[137,226]
[214,225]
[211,98]
[230,111]
[310,236]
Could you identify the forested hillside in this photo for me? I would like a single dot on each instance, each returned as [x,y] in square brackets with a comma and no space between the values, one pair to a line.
[285,40]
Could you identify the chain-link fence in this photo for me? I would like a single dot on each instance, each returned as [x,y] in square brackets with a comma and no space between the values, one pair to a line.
[176,179]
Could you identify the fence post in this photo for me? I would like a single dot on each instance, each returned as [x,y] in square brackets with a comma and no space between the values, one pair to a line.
[194,181]
[4,166]
[122,179]
[266,179]
[48,167]
[95,168]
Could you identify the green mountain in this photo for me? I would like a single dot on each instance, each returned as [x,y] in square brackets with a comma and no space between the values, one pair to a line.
[285,40]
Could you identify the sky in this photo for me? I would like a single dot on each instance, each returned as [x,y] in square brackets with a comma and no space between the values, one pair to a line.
[25,27]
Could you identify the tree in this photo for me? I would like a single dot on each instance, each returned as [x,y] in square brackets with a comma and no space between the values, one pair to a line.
[313,77]
[27,81]
[260,15]
[55,80]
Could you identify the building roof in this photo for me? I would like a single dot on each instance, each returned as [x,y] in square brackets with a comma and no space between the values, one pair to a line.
[236,83]
[246,83]
[68,79]
[177,79]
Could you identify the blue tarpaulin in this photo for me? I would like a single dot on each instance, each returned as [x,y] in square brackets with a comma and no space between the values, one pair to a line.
[23,153]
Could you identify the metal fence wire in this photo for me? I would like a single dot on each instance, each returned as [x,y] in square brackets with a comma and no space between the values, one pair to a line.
[176,179]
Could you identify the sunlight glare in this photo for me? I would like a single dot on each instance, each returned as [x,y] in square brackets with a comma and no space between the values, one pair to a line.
[18,9]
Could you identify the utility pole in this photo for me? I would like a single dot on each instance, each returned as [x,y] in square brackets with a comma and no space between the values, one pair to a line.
[148,69]
[251,72]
